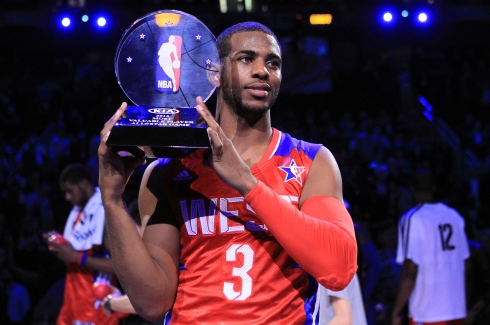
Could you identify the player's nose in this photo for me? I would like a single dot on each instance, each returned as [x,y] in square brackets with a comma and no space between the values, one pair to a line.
[259,69]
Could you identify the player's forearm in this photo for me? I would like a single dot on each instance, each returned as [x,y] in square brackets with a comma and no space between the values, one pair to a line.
[122,304]
[320,238]
[342,311]
[99,263]
[142,280]
[405,288]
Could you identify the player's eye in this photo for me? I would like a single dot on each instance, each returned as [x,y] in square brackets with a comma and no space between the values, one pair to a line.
[275,64]
[246,59]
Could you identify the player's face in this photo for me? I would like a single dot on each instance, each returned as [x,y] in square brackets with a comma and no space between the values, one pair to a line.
[74,193]
[251,74]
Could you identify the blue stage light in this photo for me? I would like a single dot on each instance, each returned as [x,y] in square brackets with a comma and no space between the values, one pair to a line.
[85,18]
[422,17]
[101,22]
[404,13]
[66,22]
[387,17]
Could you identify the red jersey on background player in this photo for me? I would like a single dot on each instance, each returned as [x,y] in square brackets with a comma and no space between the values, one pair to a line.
[238,214]
[82,249]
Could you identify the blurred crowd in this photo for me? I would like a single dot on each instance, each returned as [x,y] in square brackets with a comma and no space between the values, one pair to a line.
[51,114]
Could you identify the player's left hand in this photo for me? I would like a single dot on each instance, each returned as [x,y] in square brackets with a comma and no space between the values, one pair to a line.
[225,159]
[396,320]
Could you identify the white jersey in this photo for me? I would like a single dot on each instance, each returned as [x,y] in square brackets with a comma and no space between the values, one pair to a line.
[85,227]
[433,237]
[352,293]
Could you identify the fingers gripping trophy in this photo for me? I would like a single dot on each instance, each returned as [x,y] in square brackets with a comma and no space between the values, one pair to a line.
[163,62]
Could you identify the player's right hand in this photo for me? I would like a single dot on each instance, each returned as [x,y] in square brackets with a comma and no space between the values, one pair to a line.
[114,171]
[225,160]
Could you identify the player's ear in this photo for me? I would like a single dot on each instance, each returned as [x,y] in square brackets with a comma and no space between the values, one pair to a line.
[218,82]
[85,184]
[213,73]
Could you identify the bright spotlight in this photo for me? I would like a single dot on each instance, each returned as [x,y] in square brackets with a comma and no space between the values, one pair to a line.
[85,18]
[66,22]
[404,13]
[101,21]
[387,17]
[422,17]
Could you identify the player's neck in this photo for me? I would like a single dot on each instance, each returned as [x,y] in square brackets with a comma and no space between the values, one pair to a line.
[425,198]
[251,141]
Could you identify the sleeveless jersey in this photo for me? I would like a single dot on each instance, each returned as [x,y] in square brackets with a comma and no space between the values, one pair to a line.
[233,271]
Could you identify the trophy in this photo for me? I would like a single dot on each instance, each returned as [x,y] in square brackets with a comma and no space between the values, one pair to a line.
[163,61]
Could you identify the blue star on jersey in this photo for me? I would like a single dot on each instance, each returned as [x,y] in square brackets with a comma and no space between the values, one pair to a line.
[293,172]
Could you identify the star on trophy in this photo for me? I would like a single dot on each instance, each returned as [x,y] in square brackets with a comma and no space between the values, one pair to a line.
[164,60]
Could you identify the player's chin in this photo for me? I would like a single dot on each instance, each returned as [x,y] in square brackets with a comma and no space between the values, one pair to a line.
[260,103]
[258,107]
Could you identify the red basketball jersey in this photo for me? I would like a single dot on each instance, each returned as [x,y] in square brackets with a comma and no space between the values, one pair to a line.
[233,271]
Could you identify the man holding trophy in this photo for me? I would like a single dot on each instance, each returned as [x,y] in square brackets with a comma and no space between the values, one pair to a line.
[235,229]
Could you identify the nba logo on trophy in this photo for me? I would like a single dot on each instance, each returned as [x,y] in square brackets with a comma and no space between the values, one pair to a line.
[168,68]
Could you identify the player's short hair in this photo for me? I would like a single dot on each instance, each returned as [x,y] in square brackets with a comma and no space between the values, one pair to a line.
[223,40]
[423,181]
[74,174]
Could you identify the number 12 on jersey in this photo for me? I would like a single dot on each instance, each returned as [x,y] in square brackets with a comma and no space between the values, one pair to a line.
[446,232]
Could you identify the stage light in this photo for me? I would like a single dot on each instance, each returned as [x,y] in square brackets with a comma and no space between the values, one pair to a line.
[85,18]
[223,6]
[422,17]
[101,22]
[66,22]
[387,17]
[320,19]
[413,17]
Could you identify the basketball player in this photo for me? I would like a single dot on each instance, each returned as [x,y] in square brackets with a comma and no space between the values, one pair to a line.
[433,249]
[165,53]
[233,232]
[85,255]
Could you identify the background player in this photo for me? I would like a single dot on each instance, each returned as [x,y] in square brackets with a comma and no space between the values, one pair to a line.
[85,255]
[433,248]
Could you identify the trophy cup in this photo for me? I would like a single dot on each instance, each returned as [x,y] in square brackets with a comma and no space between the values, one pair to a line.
[163,61]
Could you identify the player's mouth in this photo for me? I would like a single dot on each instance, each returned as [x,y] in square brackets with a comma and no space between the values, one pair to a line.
[259,89]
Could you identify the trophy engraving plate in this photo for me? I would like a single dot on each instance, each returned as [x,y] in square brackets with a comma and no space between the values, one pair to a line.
[164,60]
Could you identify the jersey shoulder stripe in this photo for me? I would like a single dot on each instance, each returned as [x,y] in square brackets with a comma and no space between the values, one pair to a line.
[405,227]
[286,143]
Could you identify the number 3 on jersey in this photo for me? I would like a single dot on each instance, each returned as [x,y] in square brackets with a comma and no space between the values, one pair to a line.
[241,272]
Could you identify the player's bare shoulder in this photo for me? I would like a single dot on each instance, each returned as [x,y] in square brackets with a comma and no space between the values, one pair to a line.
[151,184]
[324,178]
[325,159]
[154,174]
